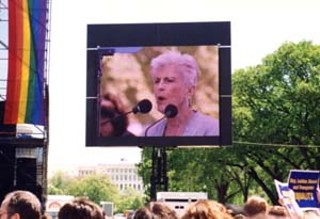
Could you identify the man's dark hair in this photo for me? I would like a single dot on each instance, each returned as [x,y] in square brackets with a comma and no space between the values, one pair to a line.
[24,203]
[81,208]
[155,210]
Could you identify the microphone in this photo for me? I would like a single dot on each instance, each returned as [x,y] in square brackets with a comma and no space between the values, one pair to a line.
[169,112]
[144,106]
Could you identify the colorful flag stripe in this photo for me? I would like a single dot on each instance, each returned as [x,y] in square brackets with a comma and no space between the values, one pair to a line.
[25,87]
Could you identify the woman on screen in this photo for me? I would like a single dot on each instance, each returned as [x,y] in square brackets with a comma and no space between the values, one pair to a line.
[174,77]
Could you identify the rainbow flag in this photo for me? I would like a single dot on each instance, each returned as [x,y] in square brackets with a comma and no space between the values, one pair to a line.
[26,70]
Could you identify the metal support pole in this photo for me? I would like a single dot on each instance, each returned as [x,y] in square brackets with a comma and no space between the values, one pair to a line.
[153,190]
[159,178]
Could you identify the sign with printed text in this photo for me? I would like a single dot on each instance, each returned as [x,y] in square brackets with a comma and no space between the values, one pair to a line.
[286,195]
[305,184]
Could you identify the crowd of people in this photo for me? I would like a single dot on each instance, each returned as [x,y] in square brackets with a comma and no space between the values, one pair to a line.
[25,205]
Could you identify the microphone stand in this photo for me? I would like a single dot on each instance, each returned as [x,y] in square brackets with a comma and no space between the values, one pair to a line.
[159,173]
[153,124]
[170,112]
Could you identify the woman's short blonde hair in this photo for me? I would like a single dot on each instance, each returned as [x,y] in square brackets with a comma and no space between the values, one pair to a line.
[206,209]
[255,205]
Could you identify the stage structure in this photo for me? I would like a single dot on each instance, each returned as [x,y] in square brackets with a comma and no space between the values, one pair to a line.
[24,127]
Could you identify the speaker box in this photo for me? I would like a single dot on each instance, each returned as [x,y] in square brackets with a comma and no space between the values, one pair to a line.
[26,172]
[6,130]
[7,161]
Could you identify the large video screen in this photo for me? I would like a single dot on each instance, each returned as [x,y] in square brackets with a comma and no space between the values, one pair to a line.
[162,84]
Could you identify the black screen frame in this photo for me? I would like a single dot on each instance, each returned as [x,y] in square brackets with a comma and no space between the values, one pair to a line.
[159,34]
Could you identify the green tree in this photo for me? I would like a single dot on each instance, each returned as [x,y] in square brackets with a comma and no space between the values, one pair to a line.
[276,114]
[59,183]
[217,171]
[129,200]
[96,187]
[280,97]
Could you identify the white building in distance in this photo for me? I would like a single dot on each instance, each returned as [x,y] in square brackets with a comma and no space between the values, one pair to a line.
[123,175]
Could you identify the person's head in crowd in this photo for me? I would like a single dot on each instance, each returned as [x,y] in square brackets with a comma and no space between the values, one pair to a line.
[311,214]
[20,204]
[130,215]
[239,216]
[46,216]
[206,209]
[155,210]
[236,211]
[255,205]
[278,212]
[112,121]
[143,213]
[81,208]
[174,76]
